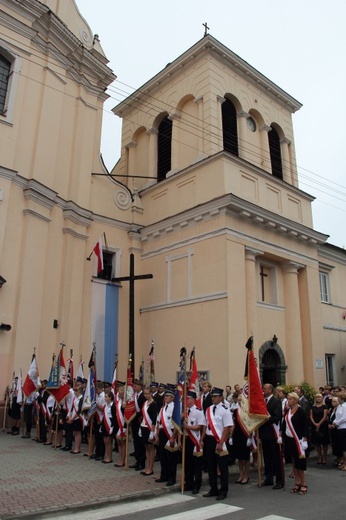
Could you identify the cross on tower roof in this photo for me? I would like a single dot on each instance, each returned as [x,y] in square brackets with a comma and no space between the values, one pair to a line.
[206,28]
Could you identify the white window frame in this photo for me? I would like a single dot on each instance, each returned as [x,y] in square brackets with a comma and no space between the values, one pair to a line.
[330,369]
[324,287]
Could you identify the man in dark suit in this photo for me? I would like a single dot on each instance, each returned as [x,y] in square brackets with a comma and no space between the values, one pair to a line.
[135,425]
[269,435]
[206,400]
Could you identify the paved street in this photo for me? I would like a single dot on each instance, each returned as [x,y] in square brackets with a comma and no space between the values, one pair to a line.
[37,481]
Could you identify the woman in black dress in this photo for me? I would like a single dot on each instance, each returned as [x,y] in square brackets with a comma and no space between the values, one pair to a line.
[107,427]
[241,445]
[294,431]
[320,432]
[148,424]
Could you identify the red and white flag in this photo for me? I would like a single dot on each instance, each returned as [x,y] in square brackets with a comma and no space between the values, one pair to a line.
[31,380]
[19,388]
[253,410]
[99,254]
[194,381]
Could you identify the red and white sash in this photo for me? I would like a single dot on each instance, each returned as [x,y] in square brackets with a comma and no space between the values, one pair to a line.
[75,411]
[120,418]
[168,431]
[212,424]
[146,416]
[194,436]
[43,410]
[107,414]
[301,452]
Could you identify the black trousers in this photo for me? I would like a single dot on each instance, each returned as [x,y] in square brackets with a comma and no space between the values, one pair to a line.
[168,459]
[271,458]
[138,443]
[213,461]
[28,417]
[99,444]
[193,466]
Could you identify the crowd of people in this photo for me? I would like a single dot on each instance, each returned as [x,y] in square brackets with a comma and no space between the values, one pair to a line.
[210,433]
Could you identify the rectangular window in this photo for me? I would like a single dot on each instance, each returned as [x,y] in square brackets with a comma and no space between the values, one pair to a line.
[330,369]
[324,287]
[5,68]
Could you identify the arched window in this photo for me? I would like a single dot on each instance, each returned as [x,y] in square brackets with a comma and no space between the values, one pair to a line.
[164,148]
[275,153]
[229,127]
[5,68]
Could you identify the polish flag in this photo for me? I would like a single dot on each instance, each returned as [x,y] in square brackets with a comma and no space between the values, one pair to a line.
[99,255]
[31,380]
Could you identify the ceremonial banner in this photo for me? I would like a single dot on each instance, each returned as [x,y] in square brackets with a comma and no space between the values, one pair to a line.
[151,368]
[194,379]
[253,410]
[130,406]
[58,384]
[80,372]
[99,254]
[31,380]
[176,415]
[19,388]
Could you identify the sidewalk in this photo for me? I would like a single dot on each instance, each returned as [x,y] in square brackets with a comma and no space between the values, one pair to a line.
[35,478]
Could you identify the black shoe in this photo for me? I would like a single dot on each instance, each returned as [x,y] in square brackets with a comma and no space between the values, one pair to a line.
[211,494]
[98,458]
[278,485]
[134,466]
[170,483]
[267,482]
[139,468]
[195,491]
[132,454]
[93,456]
[221,496]
[26,436]
[160,480]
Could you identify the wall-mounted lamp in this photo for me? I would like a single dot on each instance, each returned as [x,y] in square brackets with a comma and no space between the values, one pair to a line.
[2,281]
[55,324]
[343,367]
[5,327]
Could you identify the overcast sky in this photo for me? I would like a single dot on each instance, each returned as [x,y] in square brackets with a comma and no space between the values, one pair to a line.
[298,44]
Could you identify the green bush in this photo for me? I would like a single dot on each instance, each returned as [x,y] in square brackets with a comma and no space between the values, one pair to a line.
[309,390]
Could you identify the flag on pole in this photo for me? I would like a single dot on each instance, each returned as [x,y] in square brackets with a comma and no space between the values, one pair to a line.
[151,367]
[57,385]
[182,371]
[19,388]
[141,371]
[114,380]
[177,409]
[80,372]
[70,371]
[194,379]
[130,406]
[31,380]
[99,254]
[92,363]
[253,410]
[90,391]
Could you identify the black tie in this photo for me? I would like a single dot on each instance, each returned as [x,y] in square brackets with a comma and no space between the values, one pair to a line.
[214,408]
[188,413]
[266,400]
[166,407]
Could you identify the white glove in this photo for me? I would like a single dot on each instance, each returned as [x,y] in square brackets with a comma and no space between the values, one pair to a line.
[230,441]
[139,433]
[304,444]
[279,440]
[248,442]
[151,436]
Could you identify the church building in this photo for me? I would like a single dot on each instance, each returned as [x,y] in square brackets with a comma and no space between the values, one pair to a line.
[205,198]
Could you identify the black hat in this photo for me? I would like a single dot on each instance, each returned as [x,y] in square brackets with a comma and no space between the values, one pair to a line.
[106,384]
[216,391]
[138,382]
[191,393]
[84,381]
[162,385]
[154,384]
[170,391]
[121,383]
[79,379]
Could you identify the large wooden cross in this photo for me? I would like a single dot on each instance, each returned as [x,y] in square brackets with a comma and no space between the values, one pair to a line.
[132,278]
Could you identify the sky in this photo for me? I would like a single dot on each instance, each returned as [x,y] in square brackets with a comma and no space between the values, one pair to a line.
[298,44]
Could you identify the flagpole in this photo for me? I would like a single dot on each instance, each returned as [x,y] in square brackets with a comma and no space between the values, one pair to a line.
[127,448]
[56,425]
[90,445]
[7,391]
[259,458]
[184,436]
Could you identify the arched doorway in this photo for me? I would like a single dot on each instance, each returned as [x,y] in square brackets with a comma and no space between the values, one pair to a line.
[272,364]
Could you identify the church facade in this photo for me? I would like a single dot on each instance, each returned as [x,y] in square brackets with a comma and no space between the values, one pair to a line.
[205,196]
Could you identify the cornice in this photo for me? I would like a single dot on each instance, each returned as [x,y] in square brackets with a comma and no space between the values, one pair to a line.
[5,173]
[75,234]
[76,214]
[40,194]
[231,204]
[211,46]
[36,214]
[332,253]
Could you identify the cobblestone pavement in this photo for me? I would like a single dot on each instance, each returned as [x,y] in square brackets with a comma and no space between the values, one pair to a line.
[35,478]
